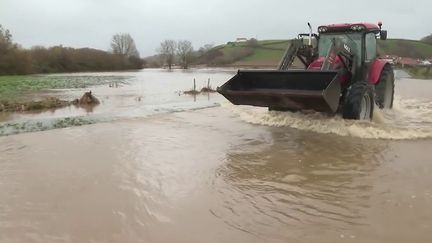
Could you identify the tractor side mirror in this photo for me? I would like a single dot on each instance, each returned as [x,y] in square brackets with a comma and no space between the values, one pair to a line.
[383,34]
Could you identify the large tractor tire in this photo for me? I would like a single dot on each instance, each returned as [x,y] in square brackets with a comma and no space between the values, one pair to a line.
[384,89]
[359,102]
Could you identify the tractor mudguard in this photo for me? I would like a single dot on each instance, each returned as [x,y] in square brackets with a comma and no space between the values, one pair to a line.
[376,70]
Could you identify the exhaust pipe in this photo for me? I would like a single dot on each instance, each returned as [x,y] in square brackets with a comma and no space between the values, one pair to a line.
[310,34]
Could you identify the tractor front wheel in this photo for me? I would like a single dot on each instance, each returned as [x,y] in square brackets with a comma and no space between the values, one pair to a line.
[359,102]
[384,89]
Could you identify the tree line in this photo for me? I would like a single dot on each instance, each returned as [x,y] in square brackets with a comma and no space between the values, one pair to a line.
[17,60]
[123,55]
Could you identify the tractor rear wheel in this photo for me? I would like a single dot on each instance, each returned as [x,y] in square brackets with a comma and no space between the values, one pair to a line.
[359,102]
[384,89]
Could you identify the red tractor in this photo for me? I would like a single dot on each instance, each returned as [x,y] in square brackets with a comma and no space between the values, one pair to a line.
[342,74]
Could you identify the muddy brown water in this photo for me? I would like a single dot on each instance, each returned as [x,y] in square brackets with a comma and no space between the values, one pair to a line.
[222,174]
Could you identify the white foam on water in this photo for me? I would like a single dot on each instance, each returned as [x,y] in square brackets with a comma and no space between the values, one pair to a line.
[410,119]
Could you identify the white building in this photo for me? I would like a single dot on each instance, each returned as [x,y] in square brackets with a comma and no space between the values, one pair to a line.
[241,40]
[425,63]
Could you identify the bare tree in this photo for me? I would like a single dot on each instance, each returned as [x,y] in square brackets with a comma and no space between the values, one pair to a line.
[184,52]
[5,40]
[123,44]
[5,35]
[167,51]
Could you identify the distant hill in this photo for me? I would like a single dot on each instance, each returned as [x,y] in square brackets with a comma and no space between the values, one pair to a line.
[405,48]
[269,52]
[255,53]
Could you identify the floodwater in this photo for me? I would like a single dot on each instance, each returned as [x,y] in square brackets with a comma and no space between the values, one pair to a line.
[157,166]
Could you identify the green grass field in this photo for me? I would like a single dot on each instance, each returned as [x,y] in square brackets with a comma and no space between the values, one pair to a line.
[405,48]
[13,87]
[264,55]
[267,52]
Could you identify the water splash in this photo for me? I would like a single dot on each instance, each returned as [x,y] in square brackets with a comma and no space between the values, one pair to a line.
[410,119]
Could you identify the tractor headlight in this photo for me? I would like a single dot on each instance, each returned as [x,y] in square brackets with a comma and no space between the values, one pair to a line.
[357,27]
[322,29]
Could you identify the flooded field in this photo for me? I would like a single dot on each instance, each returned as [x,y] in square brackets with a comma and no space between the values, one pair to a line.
[150,164]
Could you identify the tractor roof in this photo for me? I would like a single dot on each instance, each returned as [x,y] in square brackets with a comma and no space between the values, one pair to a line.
[349,27]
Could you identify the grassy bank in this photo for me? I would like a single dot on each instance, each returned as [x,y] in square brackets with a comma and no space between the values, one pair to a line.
[259,53]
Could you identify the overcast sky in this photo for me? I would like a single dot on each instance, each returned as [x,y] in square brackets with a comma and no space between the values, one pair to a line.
[91,23]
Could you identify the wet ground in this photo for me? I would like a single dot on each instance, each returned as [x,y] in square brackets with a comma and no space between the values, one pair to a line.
[166,168]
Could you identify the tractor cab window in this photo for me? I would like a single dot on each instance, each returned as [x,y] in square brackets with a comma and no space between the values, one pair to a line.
[371,46]
[353,40]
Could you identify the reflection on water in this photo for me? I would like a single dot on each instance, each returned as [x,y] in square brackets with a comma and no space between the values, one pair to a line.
[206,175]
[298,179]
[4,116]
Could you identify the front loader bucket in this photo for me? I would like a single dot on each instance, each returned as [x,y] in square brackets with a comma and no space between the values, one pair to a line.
[285,90]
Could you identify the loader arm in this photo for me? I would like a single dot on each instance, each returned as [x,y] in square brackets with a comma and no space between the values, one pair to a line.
[305,53]
[341,52]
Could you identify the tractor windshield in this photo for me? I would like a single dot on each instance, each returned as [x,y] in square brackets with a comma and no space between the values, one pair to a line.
[352,39]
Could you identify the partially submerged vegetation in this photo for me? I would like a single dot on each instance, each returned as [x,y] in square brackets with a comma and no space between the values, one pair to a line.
[87,99]
[207,90]
[17,92]
[191,92]
[44,104]
[194,91]
[49,103]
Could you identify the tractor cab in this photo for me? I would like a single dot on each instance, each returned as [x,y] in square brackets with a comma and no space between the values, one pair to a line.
[360,39]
